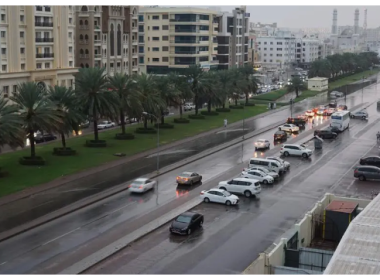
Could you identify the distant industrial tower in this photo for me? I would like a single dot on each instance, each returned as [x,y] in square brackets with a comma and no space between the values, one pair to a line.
[356,22]
[334,29]
[365,29]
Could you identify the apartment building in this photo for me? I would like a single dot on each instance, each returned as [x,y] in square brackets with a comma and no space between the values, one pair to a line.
[262,29]
[252,49]
[307,51]
[175,38]
[233,38]
[277,50]
[37,44]
[106,36]
[372,39]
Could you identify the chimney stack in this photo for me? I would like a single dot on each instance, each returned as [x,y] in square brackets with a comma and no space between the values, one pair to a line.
[356,22]
[334,29]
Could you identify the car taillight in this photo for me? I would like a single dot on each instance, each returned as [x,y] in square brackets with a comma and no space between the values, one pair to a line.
[141,187]
[202,192]
[129,186]
[178,177]
[356,171]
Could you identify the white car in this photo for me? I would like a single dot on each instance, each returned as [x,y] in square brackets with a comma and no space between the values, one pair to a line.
[309,113]
[189,106]
[106,124]
[219,196]
[360,114]
[289,128]
[262,144]
[247,187]
[284,163]
[295,150]
[141,185]
[337,94]
[264,170]
[258,175]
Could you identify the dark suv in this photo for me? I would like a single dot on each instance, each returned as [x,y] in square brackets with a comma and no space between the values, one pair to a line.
[45,138]
[280,136]
[325,134]
[372,160]
[367,172]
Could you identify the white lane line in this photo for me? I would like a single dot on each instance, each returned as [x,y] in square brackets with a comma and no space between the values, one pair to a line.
[3,263]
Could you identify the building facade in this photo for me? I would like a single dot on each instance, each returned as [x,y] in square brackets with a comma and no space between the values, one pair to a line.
[37,44]
[175,38]
[307,51]
[233,37]
[106,36]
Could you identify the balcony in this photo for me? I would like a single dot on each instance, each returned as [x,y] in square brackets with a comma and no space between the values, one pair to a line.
[135,55]
[184,52]
[213,62]
[134,42]
[44,24]
[39,55]
[182,30]
[83,27]
[135,29]
[135,68]
[83,42]
[98,55]
[84,56]
[185,42]
[48,40]
[48,55]
[141,42]
[97,41]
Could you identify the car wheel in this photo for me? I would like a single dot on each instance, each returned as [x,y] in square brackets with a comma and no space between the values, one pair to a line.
[223,188]
[286,154]
[361,178]
[189,231]
[247,194]
[228,203]
[352,117]
[304,155]
[363,118]
[265,182]
[207,200]
[201,223]
[191,183]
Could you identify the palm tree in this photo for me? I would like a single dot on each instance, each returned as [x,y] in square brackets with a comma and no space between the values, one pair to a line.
[36,110]
[69,109]
[296,84]
[211,90]
[93,94]
[150,97]
[248,83]
[181,90]
[11,131]
[225,78]
[124,87]
[166,91]
[196,77]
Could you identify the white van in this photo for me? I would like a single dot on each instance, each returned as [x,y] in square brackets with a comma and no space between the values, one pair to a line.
[245,186]
[271,165]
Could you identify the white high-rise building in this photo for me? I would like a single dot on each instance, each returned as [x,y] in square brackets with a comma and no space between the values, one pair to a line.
[307,51]
[37,44]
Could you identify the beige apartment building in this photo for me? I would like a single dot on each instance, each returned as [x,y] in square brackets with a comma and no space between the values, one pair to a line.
[36,44]
[171,39]
[106,36]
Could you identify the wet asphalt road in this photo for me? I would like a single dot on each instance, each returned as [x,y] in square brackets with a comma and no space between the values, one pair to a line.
[56,245]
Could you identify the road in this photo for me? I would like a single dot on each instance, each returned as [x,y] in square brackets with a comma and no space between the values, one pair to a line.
[60,243]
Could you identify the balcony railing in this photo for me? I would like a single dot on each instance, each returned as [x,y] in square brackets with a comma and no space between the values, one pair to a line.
[177,30]
[49,40]
[184,20]
[84,56]
[83,42]
[97,41]
[46,24]
[48,55]
[39,40]
[98,55]
[185,42]
[214,62]
[184,52]
[134,42]
[83,27]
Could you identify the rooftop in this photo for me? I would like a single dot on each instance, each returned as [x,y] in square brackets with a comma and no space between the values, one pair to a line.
[342,206]
[318,79]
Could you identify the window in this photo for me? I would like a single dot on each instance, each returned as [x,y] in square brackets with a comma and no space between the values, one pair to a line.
[156,28]
[155,17]
[165,49]
[3,51]
[3,67]
[2,34]
[165,59]
[156,38]
[22,50]
[271,43]
[2,17]
[279,43]
[265,49]
[265,60]
[39,65]
[279,49]
[5,88]
[70,63]
[70,34]
[47,65]
[22,18]
[14,88]
[156,60]
[165,27]
[165,38]
[271,49]
[70,20]
[70,49]
[22,34]
[204,17]
[22,66]
[156,49]
[265,43]
[165,16]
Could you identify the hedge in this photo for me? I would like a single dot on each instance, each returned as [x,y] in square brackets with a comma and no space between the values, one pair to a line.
[197,117]
[236,107]
[149,130]
[124,136]
[61,151]
[223,110]
[181,120]
[211,113]
[164,125]
[96,144]
[32,161]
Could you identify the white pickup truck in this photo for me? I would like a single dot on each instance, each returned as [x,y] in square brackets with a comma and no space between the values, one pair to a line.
[189,106]
[106,124]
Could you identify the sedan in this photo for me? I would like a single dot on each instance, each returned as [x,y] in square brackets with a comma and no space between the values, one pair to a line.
[289,128]
[325,134]
[280,136]
[106,124]
[264,170]
[309,113]
[372,160]
[219,196]
[284,163]
[141,185]
[262,144]
[258,175]
[361,114]
[186,223]
[189,178]
[45,138]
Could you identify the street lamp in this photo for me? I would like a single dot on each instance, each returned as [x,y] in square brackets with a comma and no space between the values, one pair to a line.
[158,140]
[291,107]
[362,88]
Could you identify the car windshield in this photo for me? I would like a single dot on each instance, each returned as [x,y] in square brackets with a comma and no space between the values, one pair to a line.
[278,132]
[226,193]
[186,174]
[183,219]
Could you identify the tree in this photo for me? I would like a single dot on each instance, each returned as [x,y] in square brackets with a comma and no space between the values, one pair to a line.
[93,94]
[296,84]
[36,110]
[11,131]
[166,92]
[150,97]
[211,90]
[181,90]
[124,87]
[226,90]
[196,77]
[68,108]
[248,82]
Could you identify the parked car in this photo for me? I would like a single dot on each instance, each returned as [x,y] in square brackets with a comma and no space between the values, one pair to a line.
[360,114]
[289,128]
[332,104]
[106,124]
[284,163]
[84,125]
[342,107]
[247,187]
[219,196]
[262,144]
[186,223]
[141,185]
[321,110]
[280,136]
[300,122]
[371,160]
[295,150]
[40,138]
[336,94]
[258,175]
[188,107]
[275,175]
[367,172]
[325,134]
[188,178]
[309,113]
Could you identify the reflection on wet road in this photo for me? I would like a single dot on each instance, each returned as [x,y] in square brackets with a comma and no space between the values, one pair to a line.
[49,248]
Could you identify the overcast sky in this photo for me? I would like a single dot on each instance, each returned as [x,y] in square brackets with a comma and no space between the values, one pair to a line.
[304,16]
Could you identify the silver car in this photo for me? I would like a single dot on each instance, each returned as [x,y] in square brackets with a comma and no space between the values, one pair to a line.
[367,172]
[189,178]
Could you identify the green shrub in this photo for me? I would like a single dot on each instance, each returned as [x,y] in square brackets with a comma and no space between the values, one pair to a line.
[60,151]
[142,130]
[32,161]
[181,120]
[211,113]
[96,144]
[197,117]
[124,136]
[236,107]
[3,173]
[164,125]
[223,110]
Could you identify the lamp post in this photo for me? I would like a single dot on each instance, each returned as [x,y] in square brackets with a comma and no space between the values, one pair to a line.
[242,143]
[158,141]
[362,89]
[291,107]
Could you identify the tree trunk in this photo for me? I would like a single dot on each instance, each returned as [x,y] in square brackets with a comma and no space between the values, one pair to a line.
[196,103]
[180,111]
[96,132]
[32,144]
[162,117]
[236,101]
[246,97]
[122,121]
[224,104]
[63,140]
[209,106]
[145,122]
[296,91]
